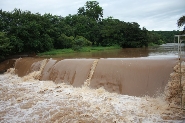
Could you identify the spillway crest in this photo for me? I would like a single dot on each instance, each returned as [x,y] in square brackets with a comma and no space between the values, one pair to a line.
[91,90]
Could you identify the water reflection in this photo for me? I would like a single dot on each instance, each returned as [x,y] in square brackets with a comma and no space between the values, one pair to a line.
[169,49]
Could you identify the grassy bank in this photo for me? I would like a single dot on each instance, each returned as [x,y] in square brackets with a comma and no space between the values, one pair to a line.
[58,52]
[153,45]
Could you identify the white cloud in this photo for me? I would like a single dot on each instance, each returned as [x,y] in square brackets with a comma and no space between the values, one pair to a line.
[152,14]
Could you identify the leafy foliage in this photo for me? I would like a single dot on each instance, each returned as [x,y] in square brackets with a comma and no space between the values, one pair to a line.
[80,42]
[23,31]
[5,47]
[64,41]
[91,10]
[164,36]
[181,22]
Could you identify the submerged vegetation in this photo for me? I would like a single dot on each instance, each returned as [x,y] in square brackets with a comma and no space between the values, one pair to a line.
[26,32]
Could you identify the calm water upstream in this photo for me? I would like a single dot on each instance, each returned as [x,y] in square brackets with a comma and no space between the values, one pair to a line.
[169,49]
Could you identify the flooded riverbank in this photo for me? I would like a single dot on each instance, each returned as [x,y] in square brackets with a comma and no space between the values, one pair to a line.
[169,49]
[137,89]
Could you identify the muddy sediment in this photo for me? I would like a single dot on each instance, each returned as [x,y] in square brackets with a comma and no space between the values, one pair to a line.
[131,76]
[70,71]
[33,100]
[35,97]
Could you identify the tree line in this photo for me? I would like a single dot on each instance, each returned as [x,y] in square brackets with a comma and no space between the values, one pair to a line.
[161,37]
[23,31]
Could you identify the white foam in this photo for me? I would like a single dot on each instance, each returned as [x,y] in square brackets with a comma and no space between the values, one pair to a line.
[30,100]
[33,101]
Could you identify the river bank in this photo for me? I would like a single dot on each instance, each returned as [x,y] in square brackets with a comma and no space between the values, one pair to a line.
[69,51]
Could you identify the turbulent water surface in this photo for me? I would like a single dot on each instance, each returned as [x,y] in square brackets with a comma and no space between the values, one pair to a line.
[133,90]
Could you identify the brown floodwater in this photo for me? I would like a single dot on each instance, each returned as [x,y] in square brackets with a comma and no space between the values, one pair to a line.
[125,85]
[146,70]
[169,49]
[130,76]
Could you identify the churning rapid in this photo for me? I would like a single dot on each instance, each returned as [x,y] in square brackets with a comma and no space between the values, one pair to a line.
[92,90]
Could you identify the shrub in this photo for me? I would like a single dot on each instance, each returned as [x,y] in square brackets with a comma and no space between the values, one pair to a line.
[5,47]
[80,42]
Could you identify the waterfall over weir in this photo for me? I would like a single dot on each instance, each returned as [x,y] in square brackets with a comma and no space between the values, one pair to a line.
[80,90]
[128,76]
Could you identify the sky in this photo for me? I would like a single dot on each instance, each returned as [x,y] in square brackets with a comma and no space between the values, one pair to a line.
[152,14]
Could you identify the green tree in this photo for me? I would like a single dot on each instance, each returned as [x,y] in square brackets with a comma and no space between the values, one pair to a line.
[33,32]
[92,10]
[134,36]
[111,31]
[83,26]
[165,36]
[5,47]
[181,22]
[80,42]
[65,41]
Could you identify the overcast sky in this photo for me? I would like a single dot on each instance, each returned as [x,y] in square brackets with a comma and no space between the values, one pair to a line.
[151,14]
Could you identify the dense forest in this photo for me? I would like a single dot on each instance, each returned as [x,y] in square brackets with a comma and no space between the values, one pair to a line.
[23,31]
[164,36]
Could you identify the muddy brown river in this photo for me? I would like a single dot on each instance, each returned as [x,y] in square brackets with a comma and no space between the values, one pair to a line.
[164,50]
[127,85]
